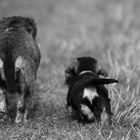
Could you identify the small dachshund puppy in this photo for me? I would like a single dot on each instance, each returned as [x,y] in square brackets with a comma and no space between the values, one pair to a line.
[87,94]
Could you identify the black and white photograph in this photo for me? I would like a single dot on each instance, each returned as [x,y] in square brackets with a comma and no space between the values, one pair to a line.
[69,69]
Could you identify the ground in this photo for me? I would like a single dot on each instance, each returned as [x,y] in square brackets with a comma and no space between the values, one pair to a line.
[108,30]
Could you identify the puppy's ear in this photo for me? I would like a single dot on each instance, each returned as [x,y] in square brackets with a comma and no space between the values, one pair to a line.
[98,81]
[70,72]
[102,72]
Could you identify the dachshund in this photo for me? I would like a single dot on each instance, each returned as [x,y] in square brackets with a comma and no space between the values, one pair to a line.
[87,94]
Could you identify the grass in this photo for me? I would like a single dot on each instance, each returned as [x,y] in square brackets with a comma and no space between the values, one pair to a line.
[107,30]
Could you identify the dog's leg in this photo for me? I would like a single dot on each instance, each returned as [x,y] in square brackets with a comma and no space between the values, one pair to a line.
[68,104]
[28,99]
[105,101]
[23,105]
[77,115]
[87,112]
[21,89]
[98,116]
[97,111]
[74,114]
[20,108]
[3,106]
[108,110]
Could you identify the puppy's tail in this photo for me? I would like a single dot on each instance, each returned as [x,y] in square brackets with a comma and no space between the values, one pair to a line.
[98,81]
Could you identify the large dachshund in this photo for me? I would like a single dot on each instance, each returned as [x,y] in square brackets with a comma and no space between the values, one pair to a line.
[87,94]
[19,61]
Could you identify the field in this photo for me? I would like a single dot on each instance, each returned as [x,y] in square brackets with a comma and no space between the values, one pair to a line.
[108,30]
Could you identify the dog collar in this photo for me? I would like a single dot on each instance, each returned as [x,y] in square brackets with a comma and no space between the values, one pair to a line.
[86,71]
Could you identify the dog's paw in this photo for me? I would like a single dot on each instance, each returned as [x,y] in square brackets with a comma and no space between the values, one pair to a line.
[4,118]
[19,118]
[25,120]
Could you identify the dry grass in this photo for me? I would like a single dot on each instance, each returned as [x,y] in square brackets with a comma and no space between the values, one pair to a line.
[105,29]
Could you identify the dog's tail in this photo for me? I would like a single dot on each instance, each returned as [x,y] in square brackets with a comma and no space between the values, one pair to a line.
[8,75]
[98,81]
[9,72]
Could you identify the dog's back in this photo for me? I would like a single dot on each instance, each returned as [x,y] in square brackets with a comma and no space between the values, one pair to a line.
[14,44]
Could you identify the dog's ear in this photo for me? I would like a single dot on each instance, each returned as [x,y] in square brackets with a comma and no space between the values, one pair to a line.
[3,25]
[99,81]
[70,72]
[19,22]
[30,27]
[102,72]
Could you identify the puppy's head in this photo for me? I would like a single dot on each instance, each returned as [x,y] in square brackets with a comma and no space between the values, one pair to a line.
[79,65]
[15,22]
[86,63]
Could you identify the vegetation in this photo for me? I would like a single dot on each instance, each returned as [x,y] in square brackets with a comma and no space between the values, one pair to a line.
[108,30]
